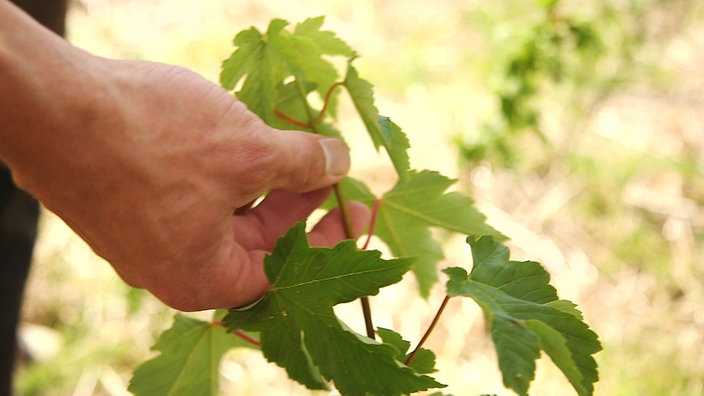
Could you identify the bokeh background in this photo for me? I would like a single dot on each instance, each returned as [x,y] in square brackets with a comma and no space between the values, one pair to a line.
[578,127]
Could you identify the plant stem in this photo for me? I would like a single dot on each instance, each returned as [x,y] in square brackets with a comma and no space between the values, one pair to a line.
[327,100]
[312,118]
[291,120]
[430,330]
[372,223]
[367,312]
[339,195]
[344,211]
[239,334]
[246,338]
[366,308]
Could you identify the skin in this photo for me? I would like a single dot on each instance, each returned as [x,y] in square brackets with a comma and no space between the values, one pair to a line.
[149,162]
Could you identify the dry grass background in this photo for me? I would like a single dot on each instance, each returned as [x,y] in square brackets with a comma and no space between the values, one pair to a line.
[618,224]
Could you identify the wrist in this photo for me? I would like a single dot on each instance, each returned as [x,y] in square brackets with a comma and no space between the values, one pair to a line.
[49,93]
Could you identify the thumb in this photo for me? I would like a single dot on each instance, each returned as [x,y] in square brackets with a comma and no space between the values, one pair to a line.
[302,162]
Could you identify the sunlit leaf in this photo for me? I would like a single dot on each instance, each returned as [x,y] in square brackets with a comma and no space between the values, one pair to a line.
[525,317]
[299,329]
[383,132]
[189,360]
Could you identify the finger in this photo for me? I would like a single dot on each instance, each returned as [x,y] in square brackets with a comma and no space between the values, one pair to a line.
[306,161]
[293,161]
[261,226]
[331,230]
[233,277]
[250,282]
[253,283]
[236,276]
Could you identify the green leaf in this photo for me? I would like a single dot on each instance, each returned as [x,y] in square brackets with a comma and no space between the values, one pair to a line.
[525,280]
[264,61]
[525,317]
[354,190]
[518,348]
[406,214]
[189,361]
[327,41]
[318,70]
[424,360]
[390,337]
[396,144]
[566,306]
[299,330]
[382,131]
[417,203]
[241,61]
[289,102]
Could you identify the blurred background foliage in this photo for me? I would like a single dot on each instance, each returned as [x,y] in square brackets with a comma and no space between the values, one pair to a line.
[576,126]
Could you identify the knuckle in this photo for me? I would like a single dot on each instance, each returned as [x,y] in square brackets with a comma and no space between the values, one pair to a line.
[258,159]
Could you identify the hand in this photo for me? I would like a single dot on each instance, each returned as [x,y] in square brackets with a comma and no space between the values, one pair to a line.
[150,172]
[157,192]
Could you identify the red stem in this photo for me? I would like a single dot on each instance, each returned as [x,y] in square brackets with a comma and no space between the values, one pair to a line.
[372,223]
[327,100]
[430,330]
[291,120]
[320,115]
[246,338]
[239,334]
[366,307]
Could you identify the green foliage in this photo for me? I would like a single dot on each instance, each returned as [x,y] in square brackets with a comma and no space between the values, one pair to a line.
[267,59]
[552,60]
[525,316]
[424,359]
[275,73]
[189,360]
[382,130]
[299,330]
[407,212]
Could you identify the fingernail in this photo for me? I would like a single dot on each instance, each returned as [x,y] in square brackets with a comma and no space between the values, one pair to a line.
[337,156]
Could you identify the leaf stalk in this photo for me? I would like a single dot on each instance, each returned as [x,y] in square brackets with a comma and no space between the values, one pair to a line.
[429,330]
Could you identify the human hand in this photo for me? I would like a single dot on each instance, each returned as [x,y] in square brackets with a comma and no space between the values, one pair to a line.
[151,173]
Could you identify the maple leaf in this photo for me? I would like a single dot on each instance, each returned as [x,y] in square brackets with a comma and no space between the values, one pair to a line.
[396,144]
[189,360]
[424,360]
[525,317]
[406,214]
[265,60]
[299,330]
[327,41]
[383,132]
